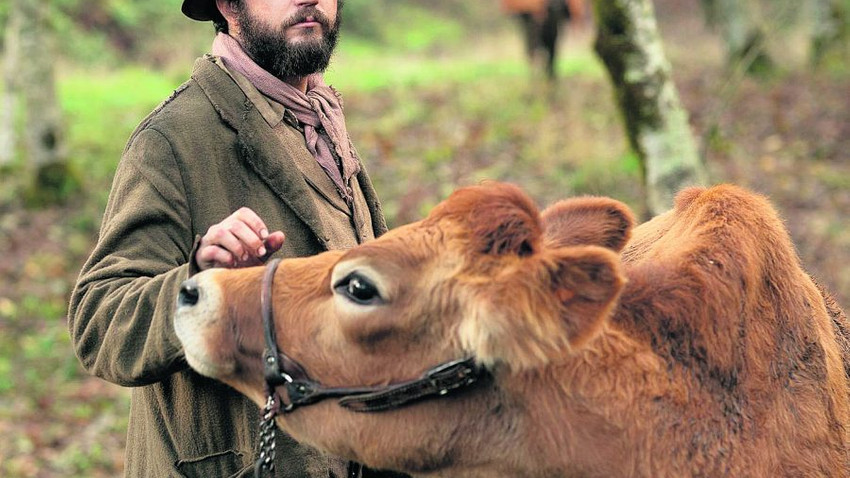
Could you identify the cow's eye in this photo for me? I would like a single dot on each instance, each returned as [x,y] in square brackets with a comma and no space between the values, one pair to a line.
[358,289]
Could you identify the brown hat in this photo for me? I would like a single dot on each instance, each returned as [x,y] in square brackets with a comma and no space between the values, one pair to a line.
[201,10]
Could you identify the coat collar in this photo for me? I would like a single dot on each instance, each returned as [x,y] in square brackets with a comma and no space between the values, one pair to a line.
[275,113]
[270,155]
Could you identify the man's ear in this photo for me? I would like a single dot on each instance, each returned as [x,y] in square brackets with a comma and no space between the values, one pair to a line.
[542,309]
[227,8]
[596,221]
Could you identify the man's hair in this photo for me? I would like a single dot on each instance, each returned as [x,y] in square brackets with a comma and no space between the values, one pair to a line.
[219,22]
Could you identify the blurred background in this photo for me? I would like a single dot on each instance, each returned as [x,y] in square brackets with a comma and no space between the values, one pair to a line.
[438,94]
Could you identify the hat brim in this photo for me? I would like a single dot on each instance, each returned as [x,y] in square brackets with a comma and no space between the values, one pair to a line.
[201,10]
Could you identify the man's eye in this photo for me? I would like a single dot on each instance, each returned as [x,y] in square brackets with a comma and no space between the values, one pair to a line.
[358,289]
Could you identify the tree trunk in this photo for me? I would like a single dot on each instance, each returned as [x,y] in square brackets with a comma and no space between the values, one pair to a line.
[37,84]
[830,31]
[657,126]
[30,57]
[738,25]
[8,95]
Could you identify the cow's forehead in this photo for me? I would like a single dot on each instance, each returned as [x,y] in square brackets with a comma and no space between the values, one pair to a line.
[408,244]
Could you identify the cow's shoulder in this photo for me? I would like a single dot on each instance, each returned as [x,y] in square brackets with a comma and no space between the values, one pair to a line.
[717,271]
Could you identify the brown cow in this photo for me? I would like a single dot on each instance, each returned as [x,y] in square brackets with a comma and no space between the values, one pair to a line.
[541,22]
[696,347]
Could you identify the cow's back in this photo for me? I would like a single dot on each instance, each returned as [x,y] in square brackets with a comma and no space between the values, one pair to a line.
[717,290]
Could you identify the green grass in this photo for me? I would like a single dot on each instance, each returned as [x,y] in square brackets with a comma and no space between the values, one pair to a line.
[362,66]
[102,109]
[457,120]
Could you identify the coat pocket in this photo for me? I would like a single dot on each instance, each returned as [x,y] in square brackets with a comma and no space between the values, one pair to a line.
[229,463]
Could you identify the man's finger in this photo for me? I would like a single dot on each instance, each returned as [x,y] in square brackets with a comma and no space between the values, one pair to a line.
[252,244]
[224,238]
[274,242]
[253,221]
[214,256]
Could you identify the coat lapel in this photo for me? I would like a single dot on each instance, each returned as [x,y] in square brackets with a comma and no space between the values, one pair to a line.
[314,174]
[270,155]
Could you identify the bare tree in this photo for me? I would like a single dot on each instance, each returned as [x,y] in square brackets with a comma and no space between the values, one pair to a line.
[30,91]
[8,95]
[629,44]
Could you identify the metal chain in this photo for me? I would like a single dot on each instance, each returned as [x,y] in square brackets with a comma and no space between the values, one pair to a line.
[265,463]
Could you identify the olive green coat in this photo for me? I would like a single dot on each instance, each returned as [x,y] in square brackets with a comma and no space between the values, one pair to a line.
[198,157]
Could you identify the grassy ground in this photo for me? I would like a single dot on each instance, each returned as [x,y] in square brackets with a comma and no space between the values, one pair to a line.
[427,116]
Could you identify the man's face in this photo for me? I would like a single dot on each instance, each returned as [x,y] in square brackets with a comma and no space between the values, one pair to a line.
[289,38]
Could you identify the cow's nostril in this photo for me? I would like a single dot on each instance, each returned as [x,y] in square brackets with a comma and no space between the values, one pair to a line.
[189,294]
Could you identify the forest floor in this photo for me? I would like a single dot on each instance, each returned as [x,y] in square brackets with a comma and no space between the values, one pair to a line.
[787,138]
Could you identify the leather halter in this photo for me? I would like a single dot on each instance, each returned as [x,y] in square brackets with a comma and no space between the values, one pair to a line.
[281,370]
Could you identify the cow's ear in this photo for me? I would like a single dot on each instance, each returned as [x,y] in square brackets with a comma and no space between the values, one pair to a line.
[587,284]
[497,219]
[543,309]
[596,221]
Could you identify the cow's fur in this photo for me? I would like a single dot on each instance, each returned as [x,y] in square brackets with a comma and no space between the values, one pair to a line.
[692,345]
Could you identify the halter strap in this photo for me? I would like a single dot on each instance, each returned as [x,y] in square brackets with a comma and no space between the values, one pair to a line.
[281,370]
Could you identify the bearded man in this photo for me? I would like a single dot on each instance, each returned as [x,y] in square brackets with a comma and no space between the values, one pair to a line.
[253,146]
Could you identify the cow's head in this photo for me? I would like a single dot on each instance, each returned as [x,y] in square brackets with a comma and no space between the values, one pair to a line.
[484,275]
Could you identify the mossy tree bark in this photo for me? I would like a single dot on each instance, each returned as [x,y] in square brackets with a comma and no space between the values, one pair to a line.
[29,77]
[7,96]
[629,44]
[830,31]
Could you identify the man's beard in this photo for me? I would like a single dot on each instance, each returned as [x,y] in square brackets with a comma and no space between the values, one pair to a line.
[270,49]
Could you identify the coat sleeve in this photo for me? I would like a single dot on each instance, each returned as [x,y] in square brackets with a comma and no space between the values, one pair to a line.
[121,309]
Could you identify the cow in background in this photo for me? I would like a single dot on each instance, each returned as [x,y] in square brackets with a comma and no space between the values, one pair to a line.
[541,22]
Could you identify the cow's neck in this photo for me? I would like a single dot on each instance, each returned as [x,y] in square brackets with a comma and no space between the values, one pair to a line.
[582,410]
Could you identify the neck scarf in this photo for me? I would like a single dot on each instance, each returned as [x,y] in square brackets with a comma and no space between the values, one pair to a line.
[319,109]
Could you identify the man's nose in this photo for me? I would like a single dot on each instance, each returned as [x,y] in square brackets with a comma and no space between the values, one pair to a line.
[189,294]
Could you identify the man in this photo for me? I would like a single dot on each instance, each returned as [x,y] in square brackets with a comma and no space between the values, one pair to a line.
[252,146]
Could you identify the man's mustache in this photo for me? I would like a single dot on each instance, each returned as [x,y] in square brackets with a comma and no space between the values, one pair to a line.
[306,13]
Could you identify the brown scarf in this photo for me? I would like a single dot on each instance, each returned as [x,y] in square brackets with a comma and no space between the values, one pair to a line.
[319,108]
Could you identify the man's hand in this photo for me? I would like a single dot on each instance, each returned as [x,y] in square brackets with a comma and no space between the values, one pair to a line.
[240,240]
